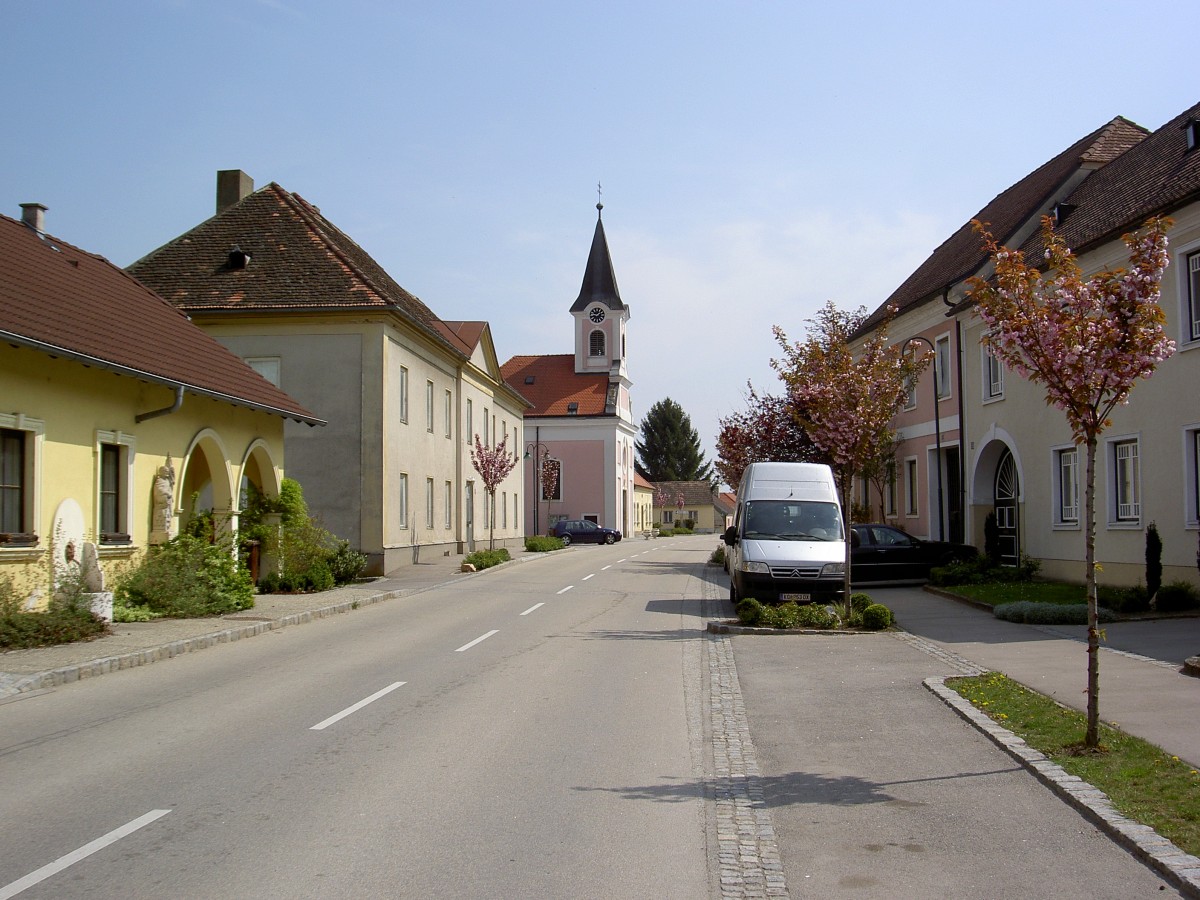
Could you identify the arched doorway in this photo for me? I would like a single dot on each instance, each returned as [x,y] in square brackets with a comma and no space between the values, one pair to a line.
[1006,492]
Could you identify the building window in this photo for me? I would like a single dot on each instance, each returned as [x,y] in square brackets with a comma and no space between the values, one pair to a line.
[504,509]
[14,485]
[889,497]
[993,375]
[1193,295]
[1066,478]
[429,406]
[1126,487]
[910,487]
[266,366]
[668,516]
[115,498]
[448,501]
[516,513]
[402,499]
[403,394]
[1192,453]
[596,343]
[428,502]
[941,365]
[910,394]
[20,465]
[470,424]
[449,414]
[486,433]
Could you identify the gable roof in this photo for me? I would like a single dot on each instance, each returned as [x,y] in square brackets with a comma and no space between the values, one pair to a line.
[1155,177]
[551,384]
[298,261]
[962,254]
[599,279]
[64,301]
[695,493]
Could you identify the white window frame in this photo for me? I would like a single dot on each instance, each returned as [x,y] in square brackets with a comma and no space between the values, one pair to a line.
[910,394]
[1119,450]
[448,500]
[404,394]
[449,414]
[912,499]
[126,444]
[470,423]
[597,344]
[1064,476]
[1190,291]
[429,406]
[992,375]
[942,367]
[429,503]
[1191,475]
[402,499]
[504,509]
[31,483]
[890,494]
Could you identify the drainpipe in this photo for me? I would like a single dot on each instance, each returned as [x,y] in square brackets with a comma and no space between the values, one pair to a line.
[962,417]
[166,410]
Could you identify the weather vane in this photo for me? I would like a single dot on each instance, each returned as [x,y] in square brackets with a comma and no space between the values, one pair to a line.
[599,203]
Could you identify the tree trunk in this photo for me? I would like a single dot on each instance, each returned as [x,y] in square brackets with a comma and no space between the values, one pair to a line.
[1092,738]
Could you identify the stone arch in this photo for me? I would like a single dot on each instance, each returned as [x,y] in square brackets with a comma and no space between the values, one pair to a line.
[998,487]
[208,476]
[258,468]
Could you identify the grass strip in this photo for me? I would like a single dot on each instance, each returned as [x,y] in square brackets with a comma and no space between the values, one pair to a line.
[1143,782]
[996,593]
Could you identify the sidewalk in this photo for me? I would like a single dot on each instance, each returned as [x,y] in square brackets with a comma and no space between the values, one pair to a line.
[141,643]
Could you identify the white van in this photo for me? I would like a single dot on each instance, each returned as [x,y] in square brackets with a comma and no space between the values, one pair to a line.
[787,541]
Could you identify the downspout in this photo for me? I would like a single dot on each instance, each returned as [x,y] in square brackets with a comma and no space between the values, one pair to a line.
[166,410]
[962,420]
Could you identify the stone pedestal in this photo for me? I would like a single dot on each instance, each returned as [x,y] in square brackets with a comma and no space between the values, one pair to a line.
[101,604]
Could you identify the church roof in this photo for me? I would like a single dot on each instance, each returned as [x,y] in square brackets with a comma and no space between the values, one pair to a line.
[551,384]
[599,280]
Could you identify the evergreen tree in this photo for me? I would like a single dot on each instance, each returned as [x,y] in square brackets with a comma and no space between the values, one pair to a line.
[670,447]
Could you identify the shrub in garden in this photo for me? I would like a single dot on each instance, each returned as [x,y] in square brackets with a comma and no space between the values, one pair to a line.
[1154,549]
[1032,613]
[1124,600]
[813,615]
[185,577]
[666,531]
[749,611]
[485,559]
[542,544]
[1176,596]
[718,556]
[876,617]
[68,617]
[860,601]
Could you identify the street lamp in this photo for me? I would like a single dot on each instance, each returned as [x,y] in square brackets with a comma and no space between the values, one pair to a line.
[535,449]
[937,430]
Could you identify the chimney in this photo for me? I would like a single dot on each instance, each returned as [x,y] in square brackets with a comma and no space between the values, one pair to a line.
[232,186]
[34,215]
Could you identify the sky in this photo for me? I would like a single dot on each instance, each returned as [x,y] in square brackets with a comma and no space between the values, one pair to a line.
[756,158]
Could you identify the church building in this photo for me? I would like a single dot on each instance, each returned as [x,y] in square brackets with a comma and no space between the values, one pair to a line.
[579,432]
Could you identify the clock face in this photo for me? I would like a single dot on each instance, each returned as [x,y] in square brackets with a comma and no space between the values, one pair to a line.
[597,315]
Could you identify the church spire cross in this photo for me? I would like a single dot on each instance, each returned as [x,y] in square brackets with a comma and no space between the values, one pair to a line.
[599,203]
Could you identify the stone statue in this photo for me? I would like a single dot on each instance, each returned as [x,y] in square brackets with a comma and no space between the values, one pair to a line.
[164,500]
[90,574]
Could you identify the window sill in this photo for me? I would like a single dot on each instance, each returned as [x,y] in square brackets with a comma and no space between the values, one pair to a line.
[1065,526]
[996,399]
[1125,526]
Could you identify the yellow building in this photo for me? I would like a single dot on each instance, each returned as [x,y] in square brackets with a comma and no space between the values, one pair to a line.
[118,417]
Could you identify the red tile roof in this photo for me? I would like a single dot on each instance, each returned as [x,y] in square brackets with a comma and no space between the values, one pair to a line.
[961,255]
[67,302]
[299,261]
[555,385]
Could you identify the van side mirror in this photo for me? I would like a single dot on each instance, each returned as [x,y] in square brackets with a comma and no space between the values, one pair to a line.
[730,536]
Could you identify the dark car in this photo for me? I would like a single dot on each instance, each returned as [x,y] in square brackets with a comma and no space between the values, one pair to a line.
[581,531]
[887,553]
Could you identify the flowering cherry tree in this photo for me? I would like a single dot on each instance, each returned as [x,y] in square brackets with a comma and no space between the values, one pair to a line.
[766,431]
[493,465]
[845,400]
[1086,342]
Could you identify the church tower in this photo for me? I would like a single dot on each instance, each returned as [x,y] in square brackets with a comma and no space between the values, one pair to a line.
[601,317]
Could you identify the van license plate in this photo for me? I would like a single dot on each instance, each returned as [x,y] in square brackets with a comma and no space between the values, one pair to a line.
[796,598]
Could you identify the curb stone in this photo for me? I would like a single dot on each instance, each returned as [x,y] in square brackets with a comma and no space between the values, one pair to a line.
[1181,869]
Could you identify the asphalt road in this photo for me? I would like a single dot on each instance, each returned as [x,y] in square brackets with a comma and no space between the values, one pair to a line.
[534,733]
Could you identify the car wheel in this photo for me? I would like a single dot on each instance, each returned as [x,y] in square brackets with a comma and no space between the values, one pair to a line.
[609,539]
[566,539]
[733,594]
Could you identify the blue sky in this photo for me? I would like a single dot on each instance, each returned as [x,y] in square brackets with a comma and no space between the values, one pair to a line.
[757,158]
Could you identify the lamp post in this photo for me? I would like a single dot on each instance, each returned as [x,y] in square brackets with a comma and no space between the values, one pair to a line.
[535,447]
[937,430]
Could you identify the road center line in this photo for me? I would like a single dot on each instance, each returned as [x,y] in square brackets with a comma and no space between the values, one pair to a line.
[586,577]
[567,588]
[532,608]
[622,560]
[478,640]
[602,568]
[21,884]
[321,726]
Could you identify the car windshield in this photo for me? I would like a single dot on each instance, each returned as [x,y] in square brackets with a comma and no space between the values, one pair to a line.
[792,520]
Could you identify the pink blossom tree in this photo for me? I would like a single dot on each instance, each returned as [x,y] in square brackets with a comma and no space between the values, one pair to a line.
[765,431]
[493,465]
[1086,341]
[845,400]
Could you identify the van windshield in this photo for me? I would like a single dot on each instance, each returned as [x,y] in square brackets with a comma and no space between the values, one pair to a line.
[792,520]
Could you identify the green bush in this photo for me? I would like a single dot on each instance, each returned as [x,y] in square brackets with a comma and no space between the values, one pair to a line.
[485,559]
[787,615]
[1032,613]
[666,531]
[187,577]
[749,611]
[1124,600]
[876,617]
[718,556]
[981,570]
[860,601]
[67,618]
[1177,596]
[542,544]
[345,564]
[123,613]
[813,615]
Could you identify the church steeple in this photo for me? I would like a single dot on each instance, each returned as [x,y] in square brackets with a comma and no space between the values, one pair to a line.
[599,280]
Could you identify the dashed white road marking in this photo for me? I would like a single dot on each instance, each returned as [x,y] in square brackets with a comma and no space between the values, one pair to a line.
[586,577]
[21,884]
[532,608]
[337,717]
[602,568]
[567,588]
[478,640]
